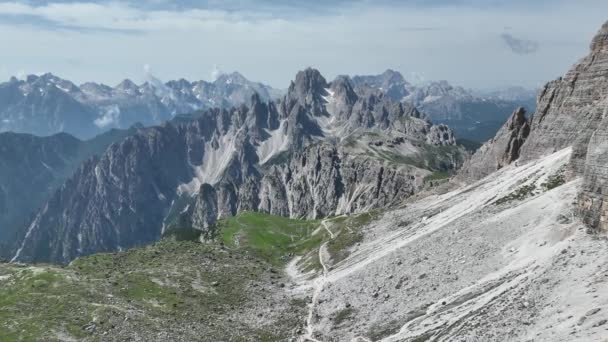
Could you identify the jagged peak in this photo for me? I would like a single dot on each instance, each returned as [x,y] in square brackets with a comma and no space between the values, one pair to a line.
[344,80]
[234,77]
[43,77]
[182,83]
[309,80]
[600,41]
[392,75]
[518,118]
[127,84]
[342,83]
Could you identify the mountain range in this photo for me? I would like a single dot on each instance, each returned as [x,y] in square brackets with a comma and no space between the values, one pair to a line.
[45,105]
[324,149]
[473,115]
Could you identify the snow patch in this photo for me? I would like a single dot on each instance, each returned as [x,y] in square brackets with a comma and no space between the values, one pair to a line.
[46,166]
[431,98]
[65,90]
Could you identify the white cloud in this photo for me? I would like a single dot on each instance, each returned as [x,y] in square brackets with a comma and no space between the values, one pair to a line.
[461,44]
[110,118]
[216,72]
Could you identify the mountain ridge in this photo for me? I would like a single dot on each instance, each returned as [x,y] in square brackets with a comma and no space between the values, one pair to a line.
[47,104]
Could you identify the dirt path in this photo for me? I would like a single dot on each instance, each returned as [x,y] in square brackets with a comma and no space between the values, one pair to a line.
[318,284]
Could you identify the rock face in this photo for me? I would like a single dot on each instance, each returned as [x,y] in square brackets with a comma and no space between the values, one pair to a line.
[593,200]
[570,109]
[47,104]
[500,151]
[325,180]
[302,157]
[32,168]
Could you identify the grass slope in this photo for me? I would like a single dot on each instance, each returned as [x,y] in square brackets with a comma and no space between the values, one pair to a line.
[179,291]
[229,289]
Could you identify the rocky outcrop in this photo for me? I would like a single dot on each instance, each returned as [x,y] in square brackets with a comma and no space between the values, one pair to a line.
[324,180]
[205,212]
[286,159]
[441,135]
[500,151]
[307,92]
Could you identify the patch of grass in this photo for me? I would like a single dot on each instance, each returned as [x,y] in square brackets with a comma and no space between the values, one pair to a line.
[140,288]
[172,287]
[183,234]
[517,195]
[35,303]
[299,302]
[343,315]
[437,175]
[348,231]
[469,145]
[272,238]
[554,180]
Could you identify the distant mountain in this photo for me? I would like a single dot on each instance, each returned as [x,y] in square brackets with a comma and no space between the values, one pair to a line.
[513,94]
[45,105]
[32,168]
[475,116]
[324,149]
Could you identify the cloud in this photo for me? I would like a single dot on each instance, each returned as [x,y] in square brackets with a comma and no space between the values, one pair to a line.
[419,29]
[59,17]
[110,117]
[270,40]
[216,72]
[114,17]
[520,46]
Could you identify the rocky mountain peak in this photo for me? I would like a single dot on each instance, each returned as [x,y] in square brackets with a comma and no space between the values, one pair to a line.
[181,83]
[307,92]
[600,41]
[234,77]
[343,89]
[309,82]
[518,119]
[392,76]
[127,86]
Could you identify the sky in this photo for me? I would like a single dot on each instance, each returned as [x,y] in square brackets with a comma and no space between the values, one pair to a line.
[481,44]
